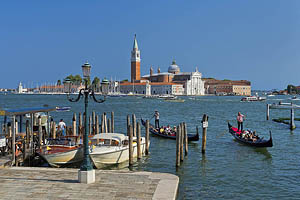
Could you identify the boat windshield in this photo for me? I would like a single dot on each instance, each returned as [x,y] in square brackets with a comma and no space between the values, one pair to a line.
[107,142]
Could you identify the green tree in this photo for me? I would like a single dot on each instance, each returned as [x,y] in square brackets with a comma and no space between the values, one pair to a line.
[59,82]
[76,80]
[96,83]
[291,89]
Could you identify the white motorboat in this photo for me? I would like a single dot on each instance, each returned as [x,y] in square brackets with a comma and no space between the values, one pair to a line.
[62,151]
[112,148]
[253,98]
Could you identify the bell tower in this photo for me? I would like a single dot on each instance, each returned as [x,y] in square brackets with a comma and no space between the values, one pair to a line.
[135,62]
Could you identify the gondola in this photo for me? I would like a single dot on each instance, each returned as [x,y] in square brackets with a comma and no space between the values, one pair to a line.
[191,137]
[258,143]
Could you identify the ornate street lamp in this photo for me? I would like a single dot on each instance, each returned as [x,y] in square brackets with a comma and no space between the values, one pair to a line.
[86,174]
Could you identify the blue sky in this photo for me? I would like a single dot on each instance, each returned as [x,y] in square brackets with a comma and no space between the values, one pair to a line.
[256,40]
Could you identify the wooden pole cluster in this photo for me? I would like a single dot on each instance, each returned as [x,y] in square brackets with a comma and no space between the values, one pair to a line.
[286,106]
[181,143]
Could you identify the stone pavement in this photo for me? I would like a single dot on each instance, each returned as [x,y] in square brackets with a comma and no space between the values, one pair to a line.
[62,183]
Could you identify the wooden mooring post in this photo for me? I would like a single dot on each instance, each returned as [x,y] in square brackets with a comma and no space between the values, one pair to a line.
[97,124]
[108,126]
[181,142]
[79,124]
[93,122]
[40,132]
[90,125]
[74,128]
[292,120]
[147,137]
[105,123]
[128,121]
[178,147]
[134,125]
[130,135]
[138,138]
[204,129]
[13,141]
[112,122]
[27,133]
[102,123]
[186,146]
[268,111]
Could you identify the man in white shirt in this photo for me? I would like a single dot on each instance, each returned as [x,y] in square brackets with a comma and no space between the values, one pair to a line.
[62,127]
[156,116]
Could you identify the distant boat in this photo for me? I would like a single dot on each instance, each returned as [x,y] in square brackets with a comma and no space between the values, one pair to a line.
[295,98]
[63,109]
[167,97]
[253,98]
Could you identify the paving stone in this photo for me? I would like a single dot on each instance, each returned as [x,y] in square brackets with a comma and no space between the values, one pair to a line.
[52,183]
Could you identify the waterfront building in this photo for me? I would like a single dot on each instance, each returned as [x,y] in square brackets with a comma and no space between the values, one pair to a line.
[227,87]
[20,89]
[173,82]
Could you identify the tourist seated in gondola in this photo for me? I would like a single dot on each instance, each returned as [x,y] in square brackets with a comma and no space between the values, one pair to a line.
[244,133]
[161,130]
[168,130]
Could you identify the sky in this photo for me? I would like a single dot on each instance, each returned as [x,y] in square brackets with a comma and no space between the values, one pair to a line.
[256,40]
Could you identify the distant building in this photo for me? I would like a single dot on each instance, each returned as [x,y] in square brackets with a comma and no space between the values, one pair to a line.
[227,87]
[20,89]
[172,82]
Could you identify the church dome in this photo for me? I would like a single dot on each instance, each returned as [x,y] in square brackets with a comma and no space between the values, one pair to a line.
[173,68]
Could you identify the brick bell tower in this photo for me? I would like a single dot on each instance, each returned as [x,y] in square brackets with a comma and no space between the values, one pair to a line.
[135,62]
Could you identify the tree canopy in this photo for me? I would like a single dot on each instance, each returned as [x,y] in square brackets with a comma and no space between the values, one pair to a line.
[77,80]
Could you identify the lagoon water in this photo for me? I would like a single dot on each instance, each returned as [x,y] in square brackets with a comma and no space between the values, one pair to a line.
[228,170]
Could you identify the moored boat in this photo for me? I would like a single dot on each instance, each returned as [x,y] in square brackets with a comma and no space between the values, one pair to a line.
[112,148]
[191,137]
[259,142]
[61,152]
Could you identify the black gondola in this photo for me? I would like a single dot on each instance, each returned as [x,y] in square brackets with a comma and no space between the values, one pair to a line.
[191,137]
[258,143]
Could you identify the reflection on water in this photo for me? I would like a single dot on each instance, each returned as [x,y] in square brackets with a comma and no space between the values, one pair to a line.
[264,151]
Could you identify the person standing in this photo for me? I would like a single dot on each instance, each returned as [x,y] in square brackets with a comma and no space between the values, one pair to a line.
[240,119]
[62,127]
[156,116]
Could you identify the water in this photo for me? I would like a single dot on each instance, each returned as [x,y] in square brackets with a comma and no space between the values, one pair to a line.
[228,170]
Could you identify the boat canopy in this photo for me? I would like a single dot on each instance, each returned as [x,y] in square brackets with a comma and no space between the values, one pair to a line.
[23,111]
[110,136]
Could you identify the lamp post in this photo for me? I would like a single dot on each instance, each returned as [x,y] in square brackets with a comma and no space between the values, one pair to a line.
[86,174]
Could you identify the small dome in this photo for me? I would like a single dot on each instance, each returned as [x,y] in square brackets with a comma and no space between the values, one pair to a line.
[173,68]
[105,81]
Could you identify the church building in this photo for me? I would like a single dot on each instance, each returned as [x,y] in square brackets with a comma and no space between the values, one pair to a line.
[173,82]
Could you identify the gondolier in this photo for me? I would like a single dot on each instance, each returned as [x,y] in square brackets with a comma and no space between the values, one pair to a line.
[156,117]
[240,120]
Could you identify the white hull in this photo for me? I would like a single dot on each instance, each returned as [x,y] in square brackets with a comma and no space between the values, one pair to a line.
[108,155]
[64,158]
